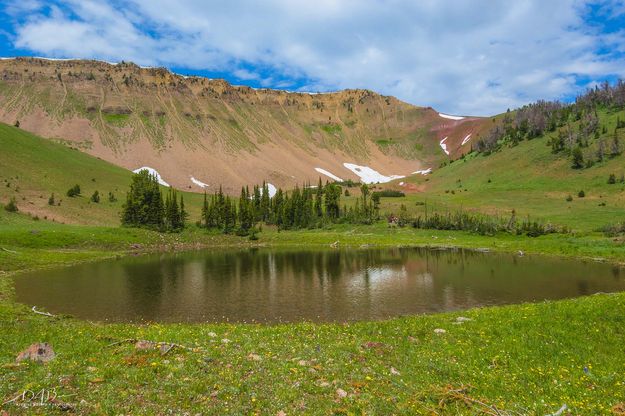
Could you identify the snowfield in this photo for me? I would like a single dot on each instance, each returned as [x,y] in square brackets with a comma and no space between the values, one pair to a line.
[466,139]
[199,183]
[423,172]
[152,172]
[329,174]
[368,175]
[444,146]
[450,117]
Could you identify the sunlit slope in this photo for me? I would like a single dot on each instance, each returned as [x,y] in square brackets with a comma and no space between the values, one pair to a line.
[32,169]
[530,179]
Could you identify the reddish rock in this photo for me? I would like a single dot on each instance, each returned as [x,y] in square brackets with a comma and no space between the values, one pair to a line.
[40,352]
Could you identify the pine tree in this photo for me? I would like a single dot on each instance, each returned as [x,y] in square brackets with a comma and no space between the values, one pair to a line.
[95,198]
[319,200]
[265,203]
[73,191]
[51,199]
[144,202]
[11,206]
[615,148]
[332,201]
[183,213]
[578,158]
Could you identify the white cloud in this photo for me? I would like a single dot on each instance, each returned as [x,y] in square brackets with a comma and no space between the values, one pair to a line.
[461,57]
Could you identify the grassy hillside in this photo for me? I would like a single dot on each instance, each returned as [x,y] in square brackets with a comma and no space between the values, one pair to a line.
[32,169]
[528,178]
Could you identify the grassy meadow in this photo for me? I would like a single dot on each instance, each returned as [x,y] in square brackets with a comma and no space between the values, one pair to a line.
[520,359]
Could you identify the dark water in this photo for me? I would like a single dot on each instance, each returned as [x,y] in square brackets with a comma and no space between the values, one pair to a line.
[323,285]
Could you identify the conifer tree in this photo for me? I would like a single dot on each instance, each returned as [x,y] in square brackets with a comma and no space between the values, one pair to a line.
[319,200]
[144,202]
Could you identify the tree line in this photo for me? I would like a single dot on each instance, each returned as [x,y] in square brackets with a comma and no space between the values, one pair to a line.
[304,207]
[301,208]
[576,129]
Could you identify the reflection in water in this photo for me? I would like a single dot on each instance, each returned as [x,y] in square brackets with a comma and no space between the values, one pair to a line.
[322,285]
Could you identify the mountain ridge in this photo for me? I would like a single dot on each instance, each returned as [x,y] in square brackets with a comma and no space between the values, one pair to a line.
[217,133]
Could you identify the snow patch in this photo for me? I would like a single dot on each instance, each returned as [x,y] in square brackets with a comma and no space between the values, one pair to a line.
[329,174]
[444,146]
[153,172]
[423,172]
[368,175]
[272,190]
[450,117]
[466,139]
[199,183]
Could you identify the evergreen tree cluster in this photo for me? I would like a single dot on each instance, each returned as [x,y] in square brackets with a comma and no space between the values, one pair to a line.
[301,208]
[144,206]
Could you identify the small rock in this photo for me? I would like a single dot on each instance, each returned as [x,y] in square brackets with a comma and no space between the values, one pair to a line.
[463,319]
[395,372]
[439,331]
[281,413]
[521,254]
[212,334]
[144,345]
[254,357]
[341,393]
[225,341]
[39,352]
[373,345]
[303,363]
[165,348]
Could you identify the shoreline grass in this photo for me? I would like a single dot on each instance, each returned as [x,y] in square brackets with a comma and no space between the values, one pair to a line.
[528,358]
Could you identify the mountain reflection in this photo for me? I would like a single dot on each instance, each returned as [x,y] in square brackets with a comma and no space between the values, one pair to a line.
[318,285]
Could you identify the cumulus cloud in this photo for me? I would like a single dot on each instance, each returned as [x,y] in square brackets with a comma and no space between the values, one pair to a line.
[463,57]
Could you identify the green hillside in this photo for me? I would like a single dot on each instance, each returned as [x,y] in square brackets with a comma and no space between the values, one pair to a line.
[32,169]
[530,179]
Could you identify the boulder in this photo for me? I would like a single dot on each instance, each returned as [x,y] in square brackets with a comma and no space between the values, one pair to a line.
[39,352]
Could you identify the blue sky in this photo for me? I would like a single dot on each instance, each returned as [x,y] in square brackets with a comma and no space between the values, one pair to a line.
[463,57]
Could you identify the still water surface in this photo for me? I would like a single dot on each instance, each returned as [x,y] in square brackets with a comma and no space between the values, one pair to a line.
[266,285]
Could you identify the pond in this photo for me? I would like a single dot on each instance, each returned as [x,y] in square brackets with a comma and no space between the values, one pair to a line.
[267,285]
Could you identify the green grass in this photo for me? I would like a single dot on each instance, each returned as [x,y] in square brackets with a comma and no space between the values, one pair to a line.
[116,119]
[528,359]
[530,179]
[32,168]
[525,358]
[331,128]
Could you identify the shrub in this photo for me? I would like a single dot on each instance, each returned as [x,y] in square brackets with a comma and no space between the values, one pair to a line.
[112,197]
[390,193]
[95,197]
[73,191]
[612,179]
[484,224]
[51,199]
[613,230]
[578,158]
[11,206]
[569,198]
[581,194]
